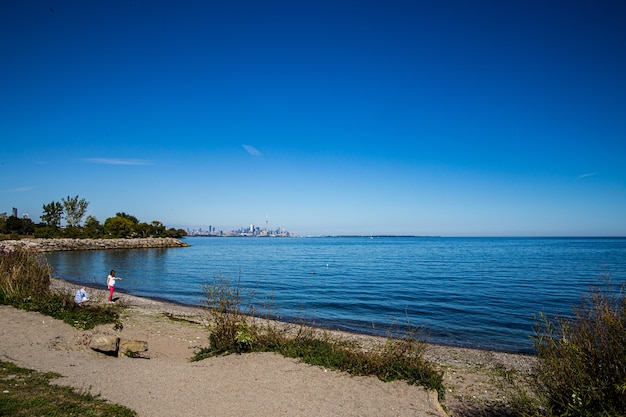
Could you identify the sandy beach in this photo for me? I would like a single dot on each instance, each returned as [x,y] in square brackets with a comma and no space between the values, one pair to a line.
[257,384]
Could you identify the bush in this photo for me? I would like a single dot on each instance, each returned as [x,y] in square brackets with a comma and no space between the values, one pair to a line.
[224,301]
[25,284]
[582,358]
[22,274]
[234,329]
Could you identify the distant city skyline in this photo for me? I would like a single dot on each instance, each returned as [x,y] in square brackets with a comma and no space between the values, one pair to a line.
[448,118]
[252,230]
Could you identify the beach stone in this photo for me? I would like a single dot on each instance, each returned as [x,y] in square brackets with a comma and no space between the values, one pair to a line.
[132,348]
[104,343]
[68,244]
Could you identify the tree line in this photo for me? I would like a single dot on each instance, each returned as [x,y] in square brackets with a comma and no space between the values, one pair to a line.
[73,210]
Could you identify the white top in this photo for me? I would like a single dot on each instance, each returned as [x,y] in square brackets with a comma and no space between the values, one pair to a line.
[111,281]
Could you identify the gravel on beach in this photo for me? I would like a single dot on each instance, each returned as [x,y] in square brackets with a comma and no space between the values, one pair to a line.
[258,384]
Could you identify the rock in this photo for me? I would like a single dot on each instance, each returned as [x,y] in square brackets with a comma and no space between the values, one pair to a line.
[132,348]
[114,346]
[67,244]
[105,344]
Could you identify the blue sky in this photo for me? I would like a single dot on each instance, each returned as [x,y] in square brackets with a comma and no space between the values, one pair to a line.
[451,118]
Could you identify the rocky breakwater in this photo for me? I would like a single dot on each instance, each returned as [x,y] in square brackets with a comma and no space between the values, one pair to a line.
[66,244]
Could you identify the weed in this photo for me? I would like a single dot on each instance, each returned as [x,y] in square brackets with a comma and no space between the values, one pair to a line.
[224,301]
[234,329]
[23,274]
[28,393]
[25,284]
[582,358]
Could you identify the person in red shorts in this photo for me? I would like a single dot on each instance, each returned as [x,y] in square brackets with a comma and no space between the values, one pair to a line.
[111,284]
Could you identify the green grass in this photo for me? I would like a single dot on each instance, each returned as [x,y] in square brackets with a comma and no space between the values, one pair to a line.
[388,362]
[24,392]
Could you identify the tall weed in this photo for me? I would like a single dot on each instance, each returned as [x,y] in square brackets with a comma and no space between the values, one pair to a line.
[23,274]
[25,284]
[582,358]
[235,329]
[224,300]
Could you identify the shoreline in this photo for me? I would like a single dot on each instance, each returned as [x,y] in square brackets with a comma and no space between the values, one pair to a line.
[78,244]
[350,334]
[472,377]
[197,310]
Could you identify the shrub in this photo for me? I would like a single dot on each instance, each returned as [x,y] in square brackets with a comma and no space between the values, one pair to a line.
[582,358]
[224,301]
[22,274]
[234,329]
[25,284]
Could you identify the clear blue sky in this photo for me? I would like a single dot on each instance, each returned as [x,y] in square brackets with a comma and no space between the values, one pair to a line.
[451,118]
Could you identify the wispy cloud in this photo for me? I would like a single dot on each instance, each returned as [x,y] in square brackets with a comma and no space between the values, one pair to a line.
[590,174]
[21,189]
[114,161]
[252,150]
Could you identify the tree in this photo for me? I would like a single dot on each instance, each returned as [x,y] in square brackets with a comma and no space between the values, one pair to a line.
[52,214]
[75,210]
[92,227]
[20,226]
[118,227]
[143,230]
[158,229]
[176,233]
[133,219]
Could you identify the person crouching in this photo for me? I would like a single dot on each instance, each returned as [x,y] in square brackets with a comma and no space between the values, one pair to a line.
[81,296]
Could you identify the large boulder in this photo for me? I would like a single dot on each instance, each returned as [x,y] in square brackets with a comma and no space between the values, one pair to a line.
[104,343]
[114,346]
[132,348]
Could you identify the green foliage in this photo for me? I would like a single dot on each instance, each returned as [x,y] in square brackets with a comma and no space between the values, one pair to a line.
[582,358]
[73,232]
[62,307]
[123,225]
[118,227]
[52,214]
[175,233]
[22,274]
[25,284]
[132,219]
[235,330]
[43,231]
[28,393]
[75,210]
[92,228]
[224,301]
[398,359]
[19,226]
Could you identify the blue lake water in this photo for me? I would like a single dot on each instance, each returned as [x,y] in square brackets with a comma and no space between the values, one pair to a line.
[473,292]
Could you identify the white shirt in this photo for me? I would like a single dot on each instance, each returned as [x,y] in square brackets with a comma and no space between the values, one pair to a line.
[111,281]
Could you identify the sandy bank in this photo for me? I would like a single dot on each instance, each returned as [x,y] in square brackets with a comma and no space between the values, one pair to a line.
[238,385]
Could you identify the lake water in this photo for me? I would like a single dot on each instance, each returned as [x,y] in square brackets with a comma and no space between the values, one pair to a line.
[472,292]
